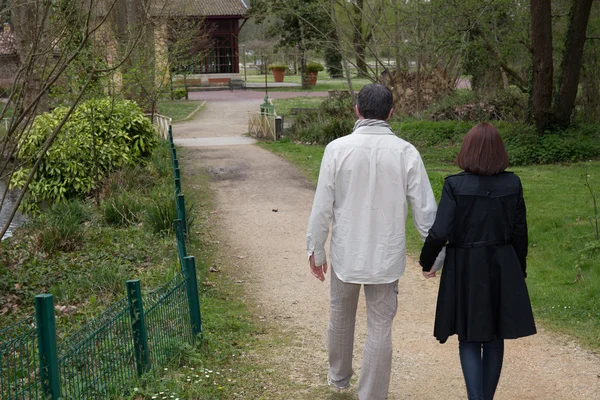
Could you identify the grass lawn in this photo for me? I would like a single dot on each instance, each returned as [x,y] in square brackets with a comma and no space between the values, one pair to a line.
[324,83]
[558,207]
[178,110]
[283,106]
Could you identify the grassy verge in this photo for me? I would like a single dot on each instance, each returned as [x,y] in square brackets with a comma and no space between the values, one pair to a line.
[561,238]
[324,83]
[178,110]
[283,106]
[83,254]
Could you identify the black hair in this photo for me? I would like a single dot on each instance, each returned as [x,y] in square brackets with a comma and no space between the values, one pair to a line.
[375,101]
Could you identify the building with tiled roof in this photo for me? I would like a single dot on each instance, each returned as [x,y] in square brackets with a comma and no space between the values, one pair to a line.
[223,20]
[9,59]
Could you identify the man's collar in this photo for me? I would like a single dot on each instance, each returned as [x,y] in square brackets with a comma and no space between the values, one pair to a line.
[373,130]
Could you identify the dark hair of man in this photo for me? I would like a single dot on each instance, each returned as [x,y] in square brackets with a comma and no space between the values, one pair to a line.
[375,102]
[482,151]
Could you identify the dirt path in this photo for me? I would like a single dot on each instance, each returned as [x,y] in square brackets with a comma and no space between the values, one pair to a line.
[263,204]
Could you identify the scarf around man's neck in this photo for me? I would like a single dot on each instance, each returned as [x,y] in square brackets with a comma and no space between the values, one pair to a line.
[371,122]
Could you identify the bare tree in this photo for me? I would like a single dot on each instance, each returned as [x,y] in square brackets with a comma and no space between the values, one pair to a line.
[53,37]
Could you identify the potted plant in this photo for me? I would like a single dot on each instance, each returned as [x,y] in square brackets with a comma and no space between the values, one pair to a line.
[312,72]
[278,71]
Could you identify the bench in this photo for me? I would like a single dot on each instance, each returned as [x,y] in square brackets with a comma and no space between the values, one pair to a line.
[236,83]
[218,81]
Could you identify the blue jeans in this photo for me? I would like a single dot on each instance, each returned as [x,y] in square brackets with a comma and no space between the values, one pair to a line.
[481,364]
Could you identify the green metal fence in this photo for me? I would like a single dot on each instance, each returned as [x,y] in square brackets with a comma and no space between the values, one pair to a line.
[100,360]
[19,371]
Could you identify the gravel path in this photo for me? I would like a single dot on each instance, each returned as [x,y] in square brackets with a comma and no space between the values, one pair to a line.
[262,208]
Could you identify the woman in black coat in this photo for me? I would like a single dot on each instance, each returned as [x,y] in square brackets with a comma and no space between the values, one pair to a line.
[483,296]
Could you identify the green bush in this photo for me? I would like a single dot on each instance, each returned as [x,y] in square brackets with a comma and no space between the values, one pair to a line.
[314,67]
[465,105]
[278,66]
[334,118]
[178,94]
[441,141]
[99,137]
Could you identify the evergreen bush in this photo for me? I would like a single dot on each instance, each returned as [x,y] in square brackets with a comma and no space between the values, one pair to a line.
[101,135]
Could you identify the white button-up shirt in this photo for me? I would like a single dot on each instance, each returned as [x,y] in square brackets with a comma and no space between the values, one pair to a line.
[365,183]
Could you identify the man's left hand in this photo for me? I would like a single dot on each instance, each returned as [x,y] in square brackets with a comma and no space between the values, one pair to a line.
[318,272]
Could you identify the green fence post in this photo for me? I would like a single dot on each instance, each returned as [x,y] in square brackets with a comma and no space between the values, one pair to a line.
[182,217]
[174,153]
[177,173]
[171,134]
[138,325]
[46,329]
[180,242]
[177,188]
[192,293]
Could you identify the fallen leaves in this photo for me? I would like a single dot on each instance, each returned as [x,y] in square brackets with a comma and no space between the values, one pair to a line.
[208,283]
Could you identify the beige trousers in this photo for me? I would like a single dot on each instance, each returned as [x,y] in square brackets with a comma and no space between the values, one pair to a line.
[382,304]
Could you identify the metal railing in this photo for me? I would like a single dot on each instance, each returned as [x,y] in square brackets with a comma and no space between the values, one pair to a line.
[101,359]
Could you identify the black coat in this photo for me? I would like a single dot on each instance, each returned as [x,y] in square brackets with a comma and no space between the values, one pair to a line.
[483,295]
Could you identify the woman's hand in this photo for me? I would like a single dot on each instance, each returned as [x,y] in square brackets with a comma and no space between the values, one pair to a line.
[429,274]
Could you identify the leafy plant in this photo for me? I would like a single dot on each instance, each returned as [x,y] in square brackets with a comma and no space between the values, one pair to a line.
[122,209]
[160,214]
[333,119]
[178,94]
[100,136]
[278,66]
[314,67]
[60,228]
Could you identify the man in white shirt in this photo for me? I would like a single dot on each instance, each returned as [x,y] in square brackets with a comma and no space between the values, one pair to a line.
[366,181]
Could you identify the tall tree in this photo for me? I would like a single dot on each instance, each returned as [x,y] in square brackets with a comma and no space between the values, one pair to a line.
[572,61]
[545,114]
[543,62]
[298,23]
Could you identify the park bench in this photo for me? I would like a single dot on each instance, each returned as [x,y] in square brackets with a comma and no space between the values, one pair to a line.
[236,83]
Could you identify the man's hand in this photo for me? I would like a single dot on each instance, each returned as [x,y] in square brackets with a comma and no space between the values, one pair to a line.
[320,271]
[429,274]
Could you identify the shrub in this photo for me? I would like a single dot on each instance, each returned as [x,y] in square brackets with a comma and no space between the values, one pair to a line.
[465,105]
[314,67]
[178,94]
[441,141]
[334,119]
[333,60]
[278,66]
[100,136]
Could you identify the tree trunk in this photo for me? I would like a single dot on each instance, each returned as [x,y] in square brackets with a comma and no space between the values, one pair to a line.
[572,61]
[28,39]
[303,72]
[360,44]
[541,43]
[590,90]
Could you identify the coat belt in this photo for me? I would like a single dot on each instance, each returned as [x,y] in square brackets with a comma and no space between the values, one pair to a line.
[479,244]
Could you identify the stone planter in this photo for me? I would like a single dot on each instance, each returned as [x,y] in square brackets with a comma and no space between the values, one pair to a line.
[278,74]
